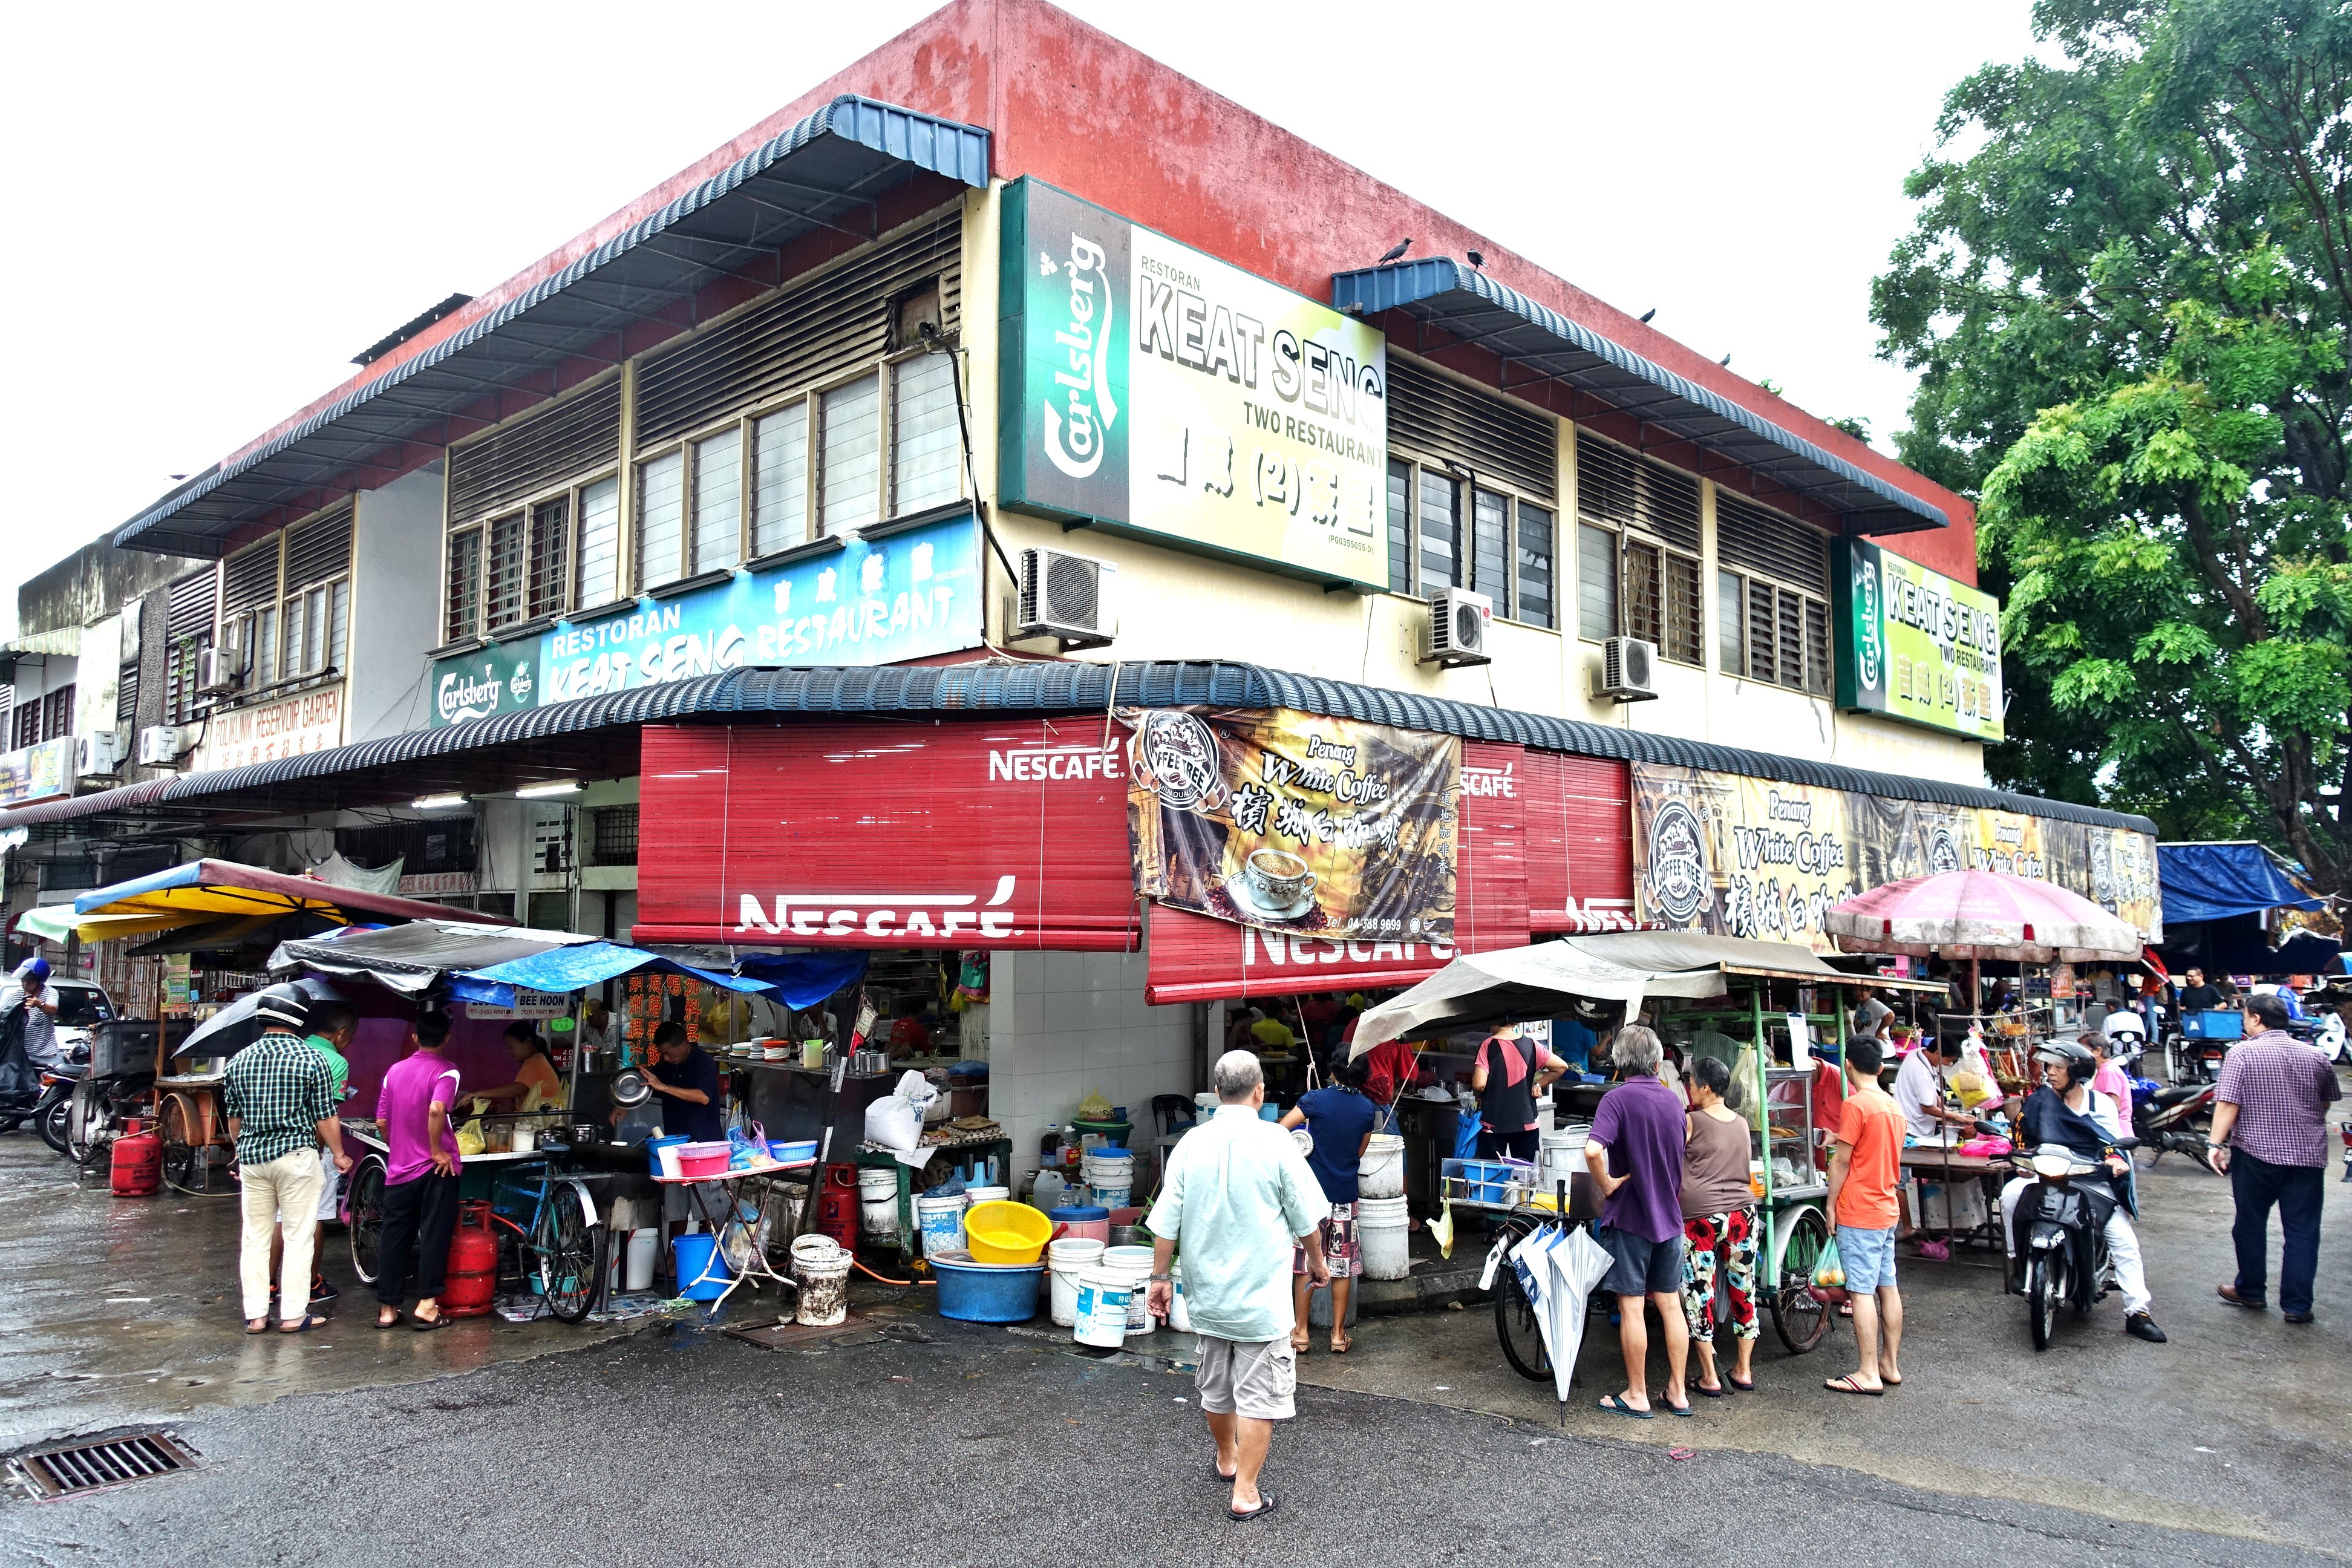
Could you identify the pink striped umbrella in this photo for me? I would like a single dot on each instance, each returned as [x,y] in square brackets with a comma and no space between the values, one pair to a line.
[1980,915]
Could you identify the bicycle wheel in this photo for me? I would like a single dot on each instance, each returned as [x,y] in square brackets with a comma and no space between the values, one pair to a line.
[1516,1326]
[363,1215]
[184,1164]
[570,1250]
[1797,1317]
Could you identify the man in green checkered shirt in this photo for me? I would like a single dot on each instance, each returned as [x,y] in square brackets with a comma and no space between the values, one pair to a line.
[279,1095]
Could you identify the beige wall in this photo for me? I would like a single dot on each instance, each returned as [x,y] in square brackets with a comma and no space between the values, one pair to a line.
[1171,604]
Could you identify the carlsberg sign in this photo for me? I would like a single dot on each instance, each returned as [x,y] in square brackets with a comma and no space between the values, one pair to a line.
[1164,394]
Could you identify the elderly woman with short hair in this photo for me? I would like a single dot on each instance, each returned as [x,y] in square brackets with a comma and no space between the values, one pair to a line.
[1718,1217]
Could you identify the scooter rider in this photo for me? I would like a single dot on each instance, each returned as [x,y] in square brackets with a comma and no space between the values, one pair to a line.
[2065,1111]
[28,988]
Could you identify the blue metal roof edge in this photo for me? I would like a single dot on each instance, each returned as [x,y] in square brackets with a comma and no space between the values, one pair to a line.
[1376,289]
[1086,688]
[945,147]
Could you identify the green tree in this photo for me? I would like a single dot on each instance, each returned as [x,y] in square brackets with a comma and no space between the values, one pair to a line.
[2127,295]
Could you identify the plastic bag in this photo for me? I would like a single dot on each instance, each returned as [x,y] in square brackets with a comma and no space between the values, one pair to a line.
[1828,1274]
[1094,1107]
[896,1121]
[469,1138]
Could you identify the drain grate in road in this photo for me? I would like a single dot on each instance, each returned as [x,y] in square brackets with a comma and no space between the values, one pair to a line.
[93,1466]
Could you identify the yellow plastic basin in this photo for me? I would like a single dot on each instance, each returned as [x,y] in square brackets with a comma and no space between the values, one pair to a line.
[1005,1232]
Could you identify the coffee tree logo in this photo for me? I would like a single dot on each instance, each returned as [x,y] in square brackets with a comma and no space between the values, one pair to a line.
[1176,755]
[1943,851]
[1678,870]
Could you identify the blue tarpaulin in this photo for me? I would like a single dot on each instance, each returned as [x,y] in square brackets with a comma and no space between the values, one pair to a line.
[800,980]
[2214,881]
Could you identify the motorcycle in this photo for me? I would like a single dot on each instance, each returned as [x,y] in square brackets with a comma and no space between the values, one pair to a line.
[2173,1121]
[2061,1245]
[50,1116]
[120,1082]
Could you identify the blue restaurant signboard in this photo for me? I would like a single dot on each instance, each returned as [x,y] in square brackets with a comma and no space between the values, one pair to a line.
[910,594]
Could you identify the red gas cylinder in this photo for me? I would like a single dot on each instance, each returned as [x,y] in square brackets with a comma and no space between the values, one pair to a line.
[473,1264]
[138,1165]
[836,1213]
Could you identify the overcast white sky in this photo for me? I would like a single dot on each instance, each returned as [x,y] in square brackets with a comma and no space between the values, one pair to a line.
[211,208]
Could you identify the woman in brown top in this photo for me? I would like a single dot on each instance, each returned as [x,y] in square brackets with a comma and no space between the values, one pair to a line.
[1719,1216]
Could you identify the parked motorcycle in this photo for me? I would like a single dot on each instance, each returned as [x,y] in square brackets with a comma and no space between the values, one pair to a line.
[50,1116]
[121,1080]
[2061,1247]
[2174,1119]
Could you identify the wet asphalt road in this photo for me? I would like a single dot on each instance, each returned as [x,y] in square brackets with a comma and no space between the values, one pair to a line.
[955,1445]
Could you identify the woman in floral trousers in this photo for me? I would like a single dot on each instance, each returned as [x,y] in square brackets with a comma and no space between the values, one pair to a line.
[1718,1219]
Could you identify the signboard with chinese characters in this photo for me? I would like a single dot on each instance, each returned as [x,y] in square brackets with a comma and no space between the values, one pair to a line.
[1916,645]
[306,722]
[1162,393]
[906,596]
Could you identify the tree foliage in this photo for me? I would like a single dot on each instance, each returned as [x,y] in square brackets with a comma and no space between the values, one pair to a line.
[2127,295]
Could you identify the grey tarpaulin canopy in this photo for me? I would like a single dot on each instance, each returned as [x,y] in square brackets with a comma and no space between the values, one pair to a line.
[414,957]
[1514,984]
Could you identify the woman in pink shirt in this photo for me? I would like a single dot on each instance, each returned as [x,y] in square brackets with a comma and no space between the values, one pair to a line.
[2110,1081]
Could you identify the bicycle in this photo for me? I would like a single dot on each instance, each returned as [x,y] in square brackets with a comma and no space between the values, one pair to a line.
[564,1241]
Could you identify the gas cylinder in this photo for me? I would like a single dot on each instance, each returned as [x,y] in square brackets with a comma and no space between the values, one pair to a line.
[138,1165]
[836,1213]
[473,1277]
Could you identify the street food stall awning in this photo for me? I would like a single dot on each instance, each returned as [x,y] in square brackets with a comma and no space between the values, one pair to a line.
[209,889]
[2214,881]
[562,970]
[1975,914]
[1517,984]
[414,958]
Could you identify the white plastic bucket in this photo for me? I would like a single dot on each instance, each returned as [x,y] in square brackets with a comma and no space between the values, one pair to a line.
[644,1253]
[941,1219]
[1380,1174]
[987,1195]
[1179,1317]
[1099,1313]
[1068,1261]
[1110,1197]
[1078,1251]
[1381,1228]
[820,1267]
[1133,1264]
[877,1205]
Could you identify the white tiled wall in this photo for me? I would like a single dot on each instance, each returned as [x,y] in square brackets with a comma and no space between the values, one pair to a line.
[1062,1025]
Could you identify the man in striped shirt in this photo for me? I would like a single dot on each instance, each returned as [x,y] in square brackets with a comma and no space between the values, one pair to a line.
[2270,1134]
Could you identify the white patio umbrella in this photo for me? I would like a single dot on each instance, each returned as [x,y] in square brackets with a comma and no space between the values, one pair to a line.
[1559,1268]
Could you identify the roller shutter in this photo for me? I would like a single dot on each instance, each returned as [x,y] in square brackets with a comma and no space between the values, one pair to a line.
[1436,418]
[566,440]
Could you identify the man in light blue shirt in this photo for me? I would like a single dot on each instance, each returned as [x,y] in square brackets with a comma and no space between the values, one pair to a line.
[1236,1193]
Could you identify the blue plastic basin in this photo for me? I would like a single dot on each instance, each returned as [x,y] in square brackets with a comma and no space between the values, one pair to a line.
[987,1293]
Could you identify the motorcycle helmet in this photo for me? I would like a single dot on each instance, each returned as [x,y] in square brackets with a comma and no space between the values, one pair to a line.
[2078,1061]
[34,968]
[284,1004]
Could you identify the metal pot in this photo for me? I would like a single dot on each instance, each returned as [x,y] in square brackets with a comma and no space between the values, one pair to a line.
[630,1089]
[583,1132]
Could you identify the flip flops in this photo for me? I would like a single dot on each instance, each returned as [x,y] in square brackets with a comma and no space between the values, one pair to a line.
[1673,1409]
[1703,1392]
[1747,1387]
[1611,1402]
[1214,1475]
[310,1321]
[1849,1383]
[1266,1503]
[425,1325]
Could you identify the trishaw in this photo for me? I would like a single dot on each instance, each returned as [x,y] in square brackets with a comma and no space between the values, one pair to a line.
[1696,990]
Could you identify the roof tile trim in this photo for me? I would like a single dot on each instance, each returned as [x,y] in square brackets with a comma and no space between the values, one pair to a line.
[1056,688]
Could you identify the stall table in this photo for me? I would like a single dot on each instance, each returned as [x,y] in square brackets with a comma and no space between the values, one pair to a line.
[1950,1166]
[722,1212]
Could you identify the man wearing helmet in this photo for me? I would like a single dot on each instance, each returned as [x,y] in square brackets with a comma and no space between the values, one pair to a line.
[2066,1110]
[281,1100]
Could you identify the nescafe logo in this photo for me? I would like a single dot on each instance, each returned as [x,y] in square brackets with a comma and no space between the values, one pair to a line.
[1678,870]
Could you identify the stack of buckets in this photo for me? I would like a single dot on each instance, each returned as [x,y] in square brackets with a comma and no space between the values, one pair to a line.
[1112,1297]
[1381,1222]
[1110,1176]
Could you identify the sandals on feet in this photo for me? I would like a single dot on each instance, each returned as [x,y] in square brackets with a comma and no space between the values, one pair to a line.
[1267,1501]
[310,1321]
[1342,1343]
[1611,1402]
[425,1325]
[1849,1384]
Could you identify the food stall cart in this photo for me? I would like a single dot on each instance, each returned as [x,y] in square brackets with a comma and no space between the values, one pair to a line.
[1762,1002]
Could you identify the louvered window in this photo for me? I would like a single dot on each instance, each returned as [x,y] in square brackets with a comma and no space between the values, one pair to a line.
[600,543]
[1652,513]
[550,557]
[318,623]
[1400,526]
[319,550]
[249,599]
[463,595]
[1644,592]
[780,480]
[806,334]
[505,571]
[26,727]
[187,632]
[1730,615]
[57,714]
[1787,634]
[527,456]
[1535,590]
[661,519]
[1437,417]
[126,696]
[1490,547]
[1817,647]
[1441,532]
[1685,641]
[849,480]
[925,447]
[1615,487]
[1596,582]
[718,501]
[1772,545]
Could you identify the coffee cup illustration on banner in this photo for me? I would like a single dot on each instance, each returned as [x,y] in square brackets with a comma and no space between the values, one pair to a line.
[1279,880]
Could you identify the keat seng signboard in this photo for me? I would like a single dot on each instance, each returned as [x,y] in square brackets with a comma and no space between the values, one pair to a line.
[1153,390]
[908,595]
[960,834]
[1919,646]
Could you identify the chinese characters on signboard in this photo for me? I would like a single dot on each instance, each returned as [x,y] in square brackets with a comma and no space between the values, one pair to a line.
[1918,646]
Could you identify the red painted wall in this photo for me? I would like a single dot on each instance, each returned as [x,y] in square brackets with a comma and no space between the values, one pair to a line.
[1075,107]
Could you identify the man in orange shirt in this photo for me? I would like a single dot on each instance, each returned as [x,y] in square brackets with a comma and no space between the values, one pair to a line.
[1864,1174]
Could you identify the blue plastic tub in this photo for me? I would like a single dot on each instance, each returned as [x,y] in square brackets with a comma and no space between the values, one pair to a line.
[694,1255]
[2221,1024]
[987,1293]
[792,1154]
[656,1144]
[1486,1179]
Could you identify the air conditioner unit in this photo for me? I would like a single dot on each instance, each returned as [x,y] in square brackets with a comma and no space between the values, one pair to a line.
[1066,597]
[1628,671]
[220,670]
[159,746]
[97,754]
[1457,627]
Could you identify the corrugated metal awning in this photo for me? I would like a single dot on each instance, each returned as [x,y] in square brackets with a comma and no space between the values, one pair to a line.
[1467,304]
[826,172]
[64,642]
[596,737]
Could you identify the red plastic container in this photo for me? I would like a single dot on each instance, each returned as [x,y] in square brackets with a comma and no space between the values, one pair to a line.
[473,1279]
[138,1165]
[703,1158]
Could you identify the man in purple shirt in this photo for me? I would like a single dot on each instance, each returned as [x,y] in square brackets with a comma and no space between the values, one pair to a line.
[420,1176]
[1636,1154]
[2270,1134]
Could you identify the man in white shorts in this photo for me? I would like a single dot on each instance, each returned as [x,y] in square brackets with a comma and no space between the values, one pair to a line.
[1236,1193]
